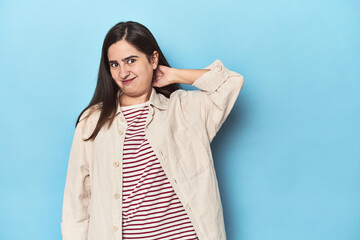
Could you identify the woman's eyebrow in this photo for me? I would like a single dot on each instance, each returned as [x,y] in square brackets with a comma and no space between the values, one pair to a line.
[132,56]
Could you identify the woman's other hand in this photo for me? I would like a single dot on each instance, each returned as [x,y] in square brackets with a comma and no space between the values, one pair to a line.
[163,76]
[166,75]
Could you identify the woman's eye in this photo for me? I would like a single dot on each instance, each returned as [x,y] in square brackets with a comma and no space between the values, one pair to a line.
[132,59]
[113,64]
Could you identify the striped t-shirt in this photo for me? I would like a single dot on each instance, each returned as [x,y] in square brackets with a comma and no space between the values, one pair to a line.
[151,208]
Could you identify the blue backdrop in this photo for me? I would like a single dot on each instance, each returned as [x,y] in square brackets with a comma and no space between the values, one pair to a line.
[288,156]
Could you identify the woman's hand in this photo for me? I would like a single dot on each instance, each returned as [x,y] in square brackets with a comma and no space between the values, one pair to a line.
[163,76]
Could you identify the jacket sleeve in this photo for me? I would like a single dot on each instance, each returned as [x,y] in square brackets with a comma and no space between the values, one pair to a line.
[218,91]
[75,212]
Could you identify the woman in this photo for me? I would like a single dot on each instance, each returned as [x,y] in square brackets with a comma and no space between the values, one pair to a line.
[140,165]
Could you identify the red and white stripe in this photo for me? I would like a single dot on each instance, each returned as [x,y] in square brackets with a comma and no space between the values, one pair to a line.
[151,208]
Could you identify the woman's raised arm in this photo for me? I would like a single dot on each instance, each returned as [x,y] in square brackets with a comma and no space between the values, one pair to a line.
[219,89]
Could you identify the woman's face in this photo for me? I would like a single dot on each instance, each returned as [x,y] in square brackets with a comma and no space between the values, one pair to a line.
[127,63]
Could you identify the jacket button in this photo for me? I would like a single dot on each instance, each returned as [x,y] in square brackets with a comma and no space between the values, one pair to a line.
[120,131]
[116,195]
[175,181]
[116,164]
[161,153]
[115,228]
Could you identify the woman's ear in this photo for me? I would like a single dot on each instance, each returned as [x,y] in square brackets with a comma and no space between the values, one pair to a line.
[155,59]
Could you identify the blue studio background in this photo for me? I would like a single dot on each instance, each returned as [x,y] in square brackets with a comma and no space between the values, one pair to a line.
[288,156]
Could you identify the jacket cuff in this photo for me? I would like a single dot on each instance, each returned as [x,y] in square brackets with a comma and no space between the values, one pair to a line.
[212,80]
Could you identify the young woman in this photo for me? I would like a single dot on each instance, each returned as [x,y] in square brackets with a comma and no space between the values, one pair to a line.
[140,165]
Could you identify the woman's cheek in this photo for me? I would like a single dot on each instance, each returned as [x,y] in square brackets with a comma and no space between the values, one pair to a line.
[113,75]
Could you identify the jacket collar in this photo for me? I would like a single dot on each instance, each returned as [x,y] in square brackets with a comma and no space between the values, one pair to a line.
[156,99]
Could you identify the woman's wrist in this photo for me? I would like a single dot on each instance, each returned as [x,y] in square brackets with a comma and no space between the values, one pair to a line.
[186,76]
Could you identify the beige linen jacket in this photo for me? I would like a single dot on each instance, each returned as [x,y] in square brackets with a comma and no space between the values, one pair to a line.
[180,130]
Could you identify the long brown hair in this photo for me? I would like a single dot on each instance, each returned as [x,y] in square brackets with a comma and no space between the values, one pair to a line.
[105,94]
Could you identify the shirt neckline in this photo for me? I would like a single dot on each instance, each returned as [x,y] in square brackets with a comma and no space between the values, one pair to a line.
[135,105]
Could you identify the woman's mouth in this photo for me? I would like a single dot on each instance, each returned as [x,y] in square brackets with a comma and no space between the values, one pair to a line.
[128,81]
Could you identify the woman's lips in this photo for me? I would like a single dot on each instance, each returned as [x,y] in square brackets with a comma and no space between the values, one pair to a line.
[128,81]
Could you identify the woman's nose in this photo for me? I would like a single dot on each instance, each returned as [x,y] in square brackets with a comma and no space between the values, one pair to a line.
[124,72]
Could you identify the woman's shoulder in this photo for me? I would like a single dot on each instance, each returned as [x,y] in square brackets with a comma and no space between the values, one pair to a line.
[182,95]
[91,114]
[88,120]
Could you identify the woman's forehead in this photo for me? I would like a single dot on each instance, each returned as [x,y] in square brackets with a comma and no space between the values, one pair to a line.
[123,49]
